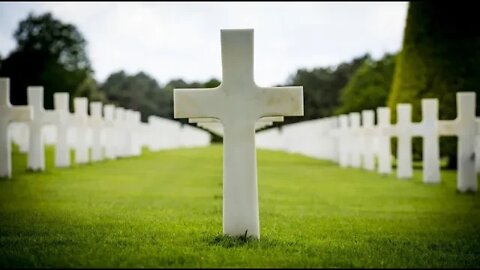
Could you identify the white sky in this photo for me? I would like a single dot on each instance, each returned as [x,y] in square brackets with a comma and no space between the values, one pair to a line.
[182,40]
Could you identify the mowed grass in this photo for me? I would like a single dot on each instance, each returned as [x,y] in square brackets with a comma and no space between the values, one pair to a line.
[164,209]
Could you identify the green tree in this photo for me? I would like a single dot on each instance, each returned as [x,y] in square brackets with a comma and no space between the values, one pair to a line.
[369,86]
[51,54]
[321,88]
[143,93]
[440,56]
[137,92]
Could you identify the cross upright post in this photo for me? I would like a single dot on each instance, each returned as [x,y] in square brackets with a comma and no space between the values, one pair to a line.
[238,103]
[368,134]
[404,132]
[465,127]
[81,119]
[41,118]
[428,130]
[110,133]
[355,157]
[96,123]
[344,139]
[8,114]
[384,146]
[62,150]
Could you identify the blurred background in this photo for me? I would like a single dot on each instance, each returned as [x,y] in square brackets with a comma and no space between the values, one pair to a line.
[348,56]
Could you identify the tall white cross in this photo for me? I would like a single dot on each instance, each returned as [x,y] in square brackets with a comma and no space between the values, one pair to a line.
[62,149]
[96,123]
[404,132]
[465,128]
[41,118]
[81,129]
[238,103]
[384,145]
[9,113]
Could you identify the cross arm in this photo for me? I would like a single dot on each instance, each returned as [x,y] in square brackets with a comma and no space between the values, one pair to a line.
[197,103]
[52,117]
[21,113]
[447,127]
[286,101]
[418,129]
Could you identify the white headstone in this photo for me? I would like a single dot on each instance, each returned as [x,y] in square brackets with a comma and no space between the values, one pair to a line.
[238,102]
[8,114]
[41,118]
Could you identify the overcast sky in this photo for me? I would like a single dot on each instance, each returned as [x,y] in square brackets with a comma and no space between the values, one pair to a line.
[182,40]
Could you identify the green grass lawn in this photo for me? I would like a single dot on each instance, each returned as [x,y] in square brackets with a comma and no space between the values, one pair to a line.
[164,209]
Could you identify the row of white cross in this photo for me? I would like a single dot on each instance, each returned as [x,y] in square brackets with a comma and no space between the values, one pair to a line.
[344,139]
[108,132]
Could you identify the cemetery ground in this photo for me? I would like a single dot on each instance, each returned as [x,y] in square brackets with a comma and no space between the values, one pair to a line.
[164,209]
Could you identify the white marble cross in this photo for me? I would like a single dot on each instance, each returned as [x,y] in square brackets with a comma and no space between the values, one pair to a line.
[81,129]
[110,147]
[465,128]
[368,135]
[96,123]
[404,131]
[8,114]
[41,118]
[428,130]
[62,149]
[238,102]
[384,146]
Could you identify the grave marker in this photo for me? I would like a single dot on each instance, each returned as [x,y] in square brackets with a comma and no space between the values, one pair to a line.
[428,130]
[96,123]
[8,114]
[404,132]
[465,128]
[368,134]
[355,142]
[81,129]
[41,118]
[238,102]
[108,111]
[62,149]
[384,146]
